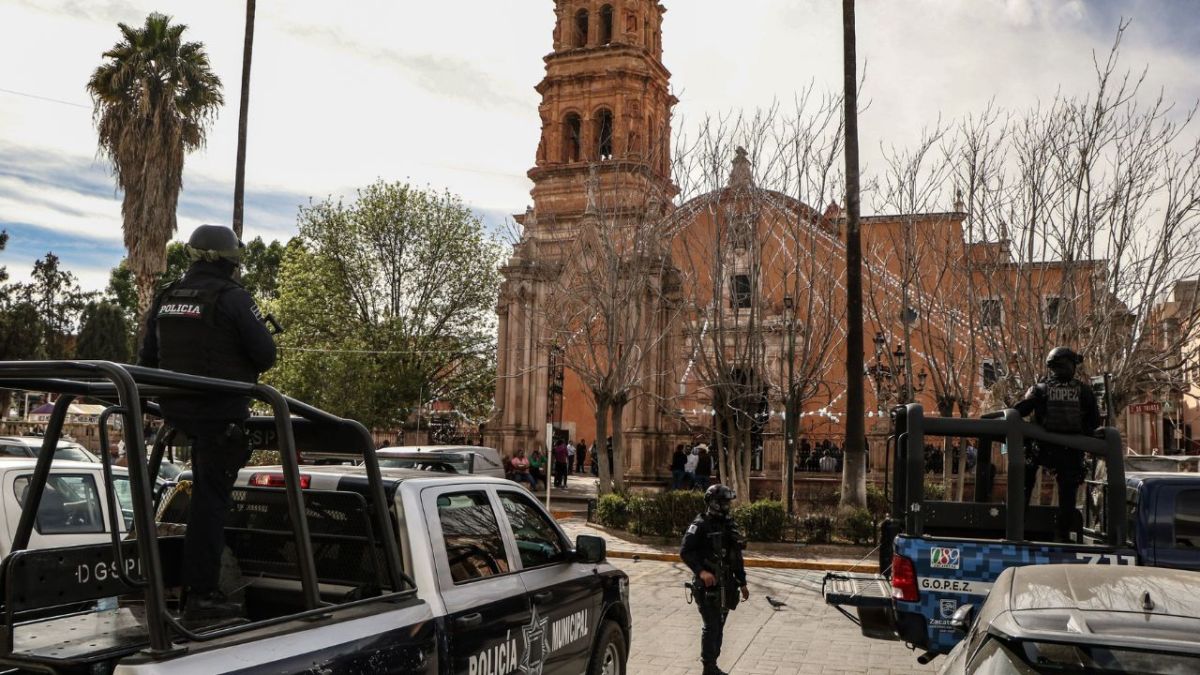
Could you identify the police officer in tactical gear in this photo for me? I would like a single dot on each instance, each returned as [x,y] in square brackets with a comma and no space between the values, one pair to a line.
[712,548]
[1062,404]
[207,324]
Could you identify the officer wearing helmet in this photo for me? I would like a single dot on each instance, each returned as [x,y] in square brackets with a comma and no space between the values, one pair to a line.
[1062,404]
[712,548]
[207,324]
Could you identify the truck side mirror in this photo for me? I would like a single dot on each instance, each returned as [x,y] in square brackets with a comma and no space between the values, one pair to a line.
[963,617]
[589,549]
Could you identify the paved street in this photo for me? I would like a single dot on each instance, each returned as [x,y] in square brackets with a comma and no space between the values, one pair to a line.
[804,637]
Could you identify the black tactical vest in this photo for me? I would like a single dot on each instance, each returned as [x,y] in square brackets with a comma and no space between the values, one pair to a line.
[195,338]
[1064,413]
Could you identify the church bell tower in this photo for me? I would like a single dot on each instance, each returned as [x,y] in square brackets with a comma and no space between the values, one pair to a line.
[604,147]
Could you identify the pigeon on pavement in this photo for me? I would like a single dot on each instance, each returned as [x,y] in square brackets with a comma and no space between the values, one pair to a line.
[775,604]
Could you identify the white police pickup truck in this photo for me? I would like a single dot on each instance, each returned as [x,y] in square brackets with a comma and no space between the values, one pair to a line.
[339,569]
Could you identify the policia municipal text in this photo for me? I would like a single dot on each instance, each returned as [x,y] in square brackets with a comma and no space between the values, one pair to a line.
[207,324]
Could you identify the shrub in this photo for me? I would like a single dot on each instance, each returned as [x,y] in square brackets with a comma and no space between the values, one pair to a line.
[859,527]
[935,491]
[876,503]
[613,511]
[763,520]
[665,514]
[816,528]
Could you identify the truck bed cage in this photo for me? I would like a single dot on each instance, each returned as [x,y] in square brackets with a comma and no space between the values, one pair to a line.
[911,427]
[293,425]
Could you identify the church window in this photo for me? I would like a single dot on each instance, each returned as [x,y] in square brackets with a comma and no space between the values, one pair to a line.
[606,24]
[572,138]
[740,298]
[581,28]
[604,134]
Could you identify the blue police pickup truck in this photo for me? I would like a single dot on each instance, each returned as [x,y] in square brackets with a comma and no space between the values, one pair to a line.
[937,555]
[338,569]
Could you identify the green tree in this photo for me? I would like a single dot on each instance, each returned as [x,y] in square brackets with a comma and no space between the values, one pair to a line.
[104,333]
[55,293]
[260,268]
[386,302]
[153,98]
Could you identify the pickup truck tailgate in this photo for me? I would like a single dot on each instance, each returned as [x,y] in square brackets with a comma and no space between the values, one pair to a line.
[871,597]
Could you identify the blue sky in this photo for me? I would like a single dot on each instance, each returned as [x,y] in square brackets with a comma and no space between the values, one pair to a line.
[441,94]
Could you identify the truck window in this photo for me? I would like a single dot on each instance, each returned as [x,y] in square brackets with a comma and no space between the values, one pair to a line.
[474,545]
[70,505]
[538,540]
[1187,519]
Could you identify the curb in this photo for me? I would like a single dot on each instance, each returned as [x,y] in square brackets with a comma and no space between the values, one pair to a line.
[869,568]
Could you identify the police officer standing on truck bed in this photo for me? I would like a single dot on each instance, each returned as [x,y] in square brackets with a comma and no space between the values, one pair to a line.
[712,548]
[1062,404]
[207,324]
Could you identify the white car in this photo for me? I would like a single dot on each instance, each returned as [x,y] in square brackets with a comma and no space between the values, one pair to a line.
[30,446]
[460,459]
[73,509]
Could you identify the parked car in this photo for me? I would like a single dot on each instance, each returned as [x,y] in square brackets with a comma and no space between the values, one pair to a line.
[1081,619]
[73,511]
[461,459]
[30,446]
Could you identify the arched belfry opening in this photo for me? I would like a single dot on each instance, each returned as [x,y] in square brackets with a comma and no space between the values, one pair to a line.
[604,134]
[580,37]
[572,138]
[606,25]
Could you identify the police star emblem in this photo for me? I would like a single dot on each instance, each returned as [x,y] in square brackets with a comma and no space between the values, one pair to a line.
[533,657]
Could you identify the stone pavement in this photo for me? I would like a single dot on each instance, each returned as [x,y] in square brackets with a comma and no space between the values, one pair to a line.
[806,636]
[793,556]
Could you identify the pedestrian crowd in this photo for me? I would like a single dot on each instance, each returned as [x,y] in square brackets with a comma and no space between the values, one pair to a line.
[564,458]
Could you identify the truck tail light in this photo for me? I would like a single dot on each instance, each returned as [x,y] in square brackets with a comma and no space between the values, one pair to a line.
[276,480]
[904,579]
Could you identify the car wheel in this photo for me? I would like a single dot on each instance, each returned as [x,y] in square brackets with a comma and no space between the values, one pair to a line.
[611,652]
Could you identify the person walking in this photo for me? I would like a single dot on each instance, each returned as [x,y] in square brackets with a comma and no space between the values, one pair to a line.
[570,457]
[689,467]
[207,324]
[580,456]
[678,463]
[712,550]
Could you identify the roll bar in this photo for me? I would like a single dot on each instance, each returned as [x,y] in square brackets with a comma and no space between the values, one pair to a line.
[911,426]
[125,387]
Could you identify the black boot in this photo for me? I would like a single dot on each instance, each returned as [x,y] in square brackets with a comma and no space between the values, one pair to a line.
[712,669]
[210,607]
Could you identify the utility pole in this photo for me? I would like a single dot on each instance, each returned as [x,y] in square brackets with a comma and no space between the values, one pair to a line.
[791,415]
[239,178]
[854,470]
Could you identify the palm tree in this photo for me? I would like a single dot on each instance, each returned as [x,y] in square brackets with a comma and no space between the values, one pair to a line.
[153,98]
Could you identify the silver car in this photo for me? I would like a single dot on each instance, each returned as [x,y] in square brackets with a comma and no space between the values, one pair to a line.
[1082,619]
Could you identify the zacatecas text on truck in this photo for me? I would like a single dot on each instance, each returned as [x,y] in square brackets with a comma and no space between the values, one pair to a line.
[937,555]
[340,569]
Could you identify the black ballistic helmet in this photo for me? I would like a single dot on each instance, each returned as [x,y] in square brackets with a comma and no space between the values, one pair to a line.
[1063,354]
[718,499]
[213,243]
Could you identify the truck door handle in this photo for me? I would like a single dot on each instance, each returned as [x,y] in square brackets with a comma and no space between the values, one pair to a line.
[469,621]
[544,596]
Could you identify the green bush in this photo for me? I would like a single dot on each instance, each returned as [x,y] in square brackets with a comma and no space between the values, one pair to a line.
[934,491]
[763,520]
[816,528]
[613,511]
[859,527]
[876,503]
[664,514]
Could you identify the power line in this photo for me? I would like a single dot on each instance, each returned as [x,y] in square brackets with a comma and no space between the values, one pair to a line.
[44,98]
[383,351]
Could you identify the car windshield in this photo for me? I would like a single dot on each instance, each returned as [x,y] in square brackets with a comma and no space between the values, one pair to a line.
[439,464]
[74,453]
[1053,657]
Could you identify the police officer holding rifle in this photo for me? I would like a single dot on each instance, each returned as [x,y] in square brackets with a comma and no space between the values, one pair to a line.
[712,548]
